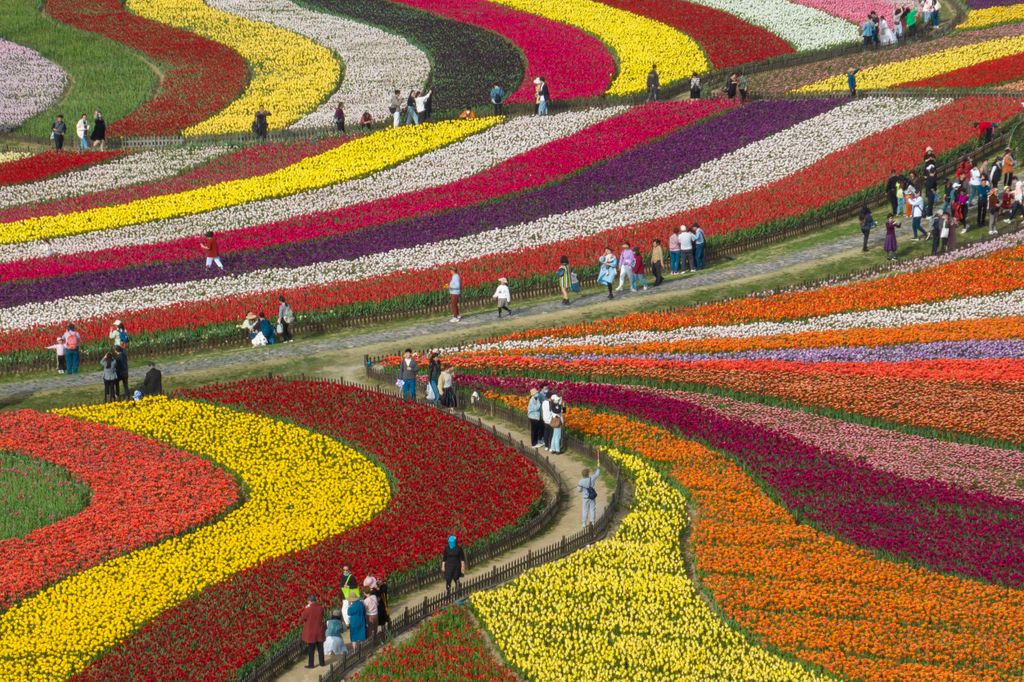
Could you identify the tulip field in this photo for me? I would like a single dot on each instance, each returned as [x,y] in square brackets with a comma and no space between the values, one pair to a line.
[825,479]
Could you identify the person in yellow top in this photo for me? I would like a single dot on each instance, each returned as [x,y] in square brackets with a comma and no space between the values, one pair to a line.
[1008,164]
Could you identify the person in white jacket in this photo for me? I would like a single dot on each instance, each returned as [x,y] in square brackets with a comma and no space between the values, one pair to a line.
[504,296]
[82,130]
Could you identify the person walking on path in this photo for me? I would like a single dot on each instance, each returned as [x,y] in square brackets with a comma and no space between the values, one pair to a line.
[109,366]
[407,375]
[153,382]
[588,493]
[890,237]
[453,565]
[58,348]
[686,243]
[356,612]
[212,250]
[99,132]
[454,292]
[339,117]
[504,297]
[312,621]
[627,260]
[534,412]
[698,246]
[82,130]
[433,375]
[916,213]
[653,84]
[72,341]
[606,275]
[285,319]
[638,271]
[260,126]
[657,262]
[674,252]
[58,129]
[867,223]
[565,279]
[851,81]
[497,99]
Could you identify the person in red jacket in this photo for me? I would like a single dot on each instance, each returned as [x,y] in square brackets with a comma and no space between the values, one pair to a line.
[313,635]
[212,250]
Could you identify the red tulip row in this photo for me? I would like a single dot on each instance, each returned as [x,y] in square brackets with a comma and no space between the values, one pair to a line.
[47,164]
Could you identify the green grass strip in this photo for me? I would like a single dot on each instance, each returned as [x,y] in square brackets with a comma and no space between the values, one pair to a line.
[34,493]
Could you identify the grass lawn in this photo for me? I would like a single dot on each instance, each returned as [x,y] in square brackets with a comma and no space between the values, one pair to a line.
[34,493]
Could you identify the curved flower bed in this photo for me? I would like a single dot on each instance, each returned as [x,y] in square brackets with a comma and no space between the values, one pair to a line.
[804,28]
[425,509]
[360,157]
[995,13]
[199,76]
[1009,68]
[466,59]
[726,39]
[636,40]
[140,492]
[375,61]
[47,164]
[28,84]
[574,63]
[290,75]
[107,603]
[604,634]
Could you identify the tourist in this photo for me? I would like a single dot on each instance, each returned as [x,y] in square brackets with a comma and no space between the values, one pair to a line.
[939,224]
[407,371]
[411,117]
[82,130]
[433,375]
[379,589]
[606,275]
[372,607]
[951,237]
[960,205]
[851,81]
[339,117]
[454,292]
[545,416]
[119,335]
[732,85]
[931,187]
[58,129]
[674,253]
[121,358]
[565,279]
[285,319]
[742,83]
[446,382]
[695,86]
[995,173]
[657,262]
[993,209]
[453,565]
[99,132]
[349,590]
[867,223]
[109,366]
[638,271]
[983,192]
[885,34]
[686,241]
[653,84]
[366,120]
[698,246]
[867,31]
[497,98]
[422,105]
[916,213]
[312,621]
[543,95]
[627,259]
[267,329]
[260,126]
[396,108]
[890,237]
[356,613]
[557,424]
[944,234]
[60,350]
[333,644]
[974,183]
[588,493]
[533,414]
[212,250]
[892,189]
[72,341]
[1009,163]
[153,382]
[504,297]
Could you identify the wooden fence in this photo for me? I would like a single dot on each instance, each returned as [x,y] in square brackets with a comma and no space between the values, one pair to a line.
[293,649]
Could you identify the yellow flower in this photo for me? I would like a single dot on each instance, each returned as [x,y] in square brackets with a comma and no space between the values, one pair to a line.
[352,160]
[990,16]
[636,41]
[303,489]
[290,74]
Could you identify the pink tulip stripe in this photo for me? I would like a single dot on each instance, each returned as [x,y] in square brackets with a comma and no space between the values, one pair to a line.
[855,11]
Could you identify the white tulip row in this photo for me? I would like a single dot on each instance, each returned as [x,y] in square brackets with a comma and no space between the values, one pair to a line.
[123,171]
[750,167]
[29,83]
[805,28]
[467,157]
[376,62]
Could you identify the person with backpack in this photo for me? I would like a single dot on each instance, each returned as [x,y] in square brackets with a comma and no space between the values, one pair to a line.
[72,340]
[589,495]
[119,335]
[453,564]
[285,319]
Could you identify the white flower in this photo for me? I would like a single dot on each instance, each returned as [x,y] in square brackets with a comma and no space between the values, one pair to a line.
[29,82]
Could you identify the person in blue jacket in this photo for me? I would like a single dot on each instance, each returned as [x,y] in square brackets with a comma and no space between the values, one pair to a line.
[356,621]
[266,328]
[851,81]
[606,275]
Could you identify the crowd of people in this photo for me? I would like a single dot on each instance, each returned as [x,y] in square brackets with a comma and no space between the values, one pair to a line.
[362,612]
[907,22]
[113,363]
[92,135]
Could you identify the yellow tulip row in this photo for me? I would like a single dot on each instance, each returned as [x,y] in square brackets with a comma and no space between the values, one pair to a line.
[12,156]
[289,74]
[289,472]
[637,41]
[624,608]
[352,160]
[990,16]
[926,66]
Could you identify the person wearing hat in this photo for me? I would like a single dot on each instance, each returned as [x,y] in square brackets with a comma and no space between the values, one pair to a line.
[356,611]
[371,605]
[250,324]
[453,564]
[312,621]
[504,296]
[851,81]
[333,644]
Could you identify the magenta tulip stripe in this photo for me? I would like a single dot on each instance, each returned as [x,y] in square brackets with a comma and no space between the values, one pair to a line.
[28,84]
[948,528]
[579,63]
[531,169]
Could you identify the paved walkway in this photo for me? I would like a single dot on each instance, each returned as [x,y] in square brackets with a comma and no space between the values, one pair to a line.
[301,349]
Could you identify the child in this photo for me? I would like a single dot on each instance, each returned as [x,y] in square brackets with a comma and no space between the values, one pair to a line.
[333,646]
[504,296]
[61,360]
